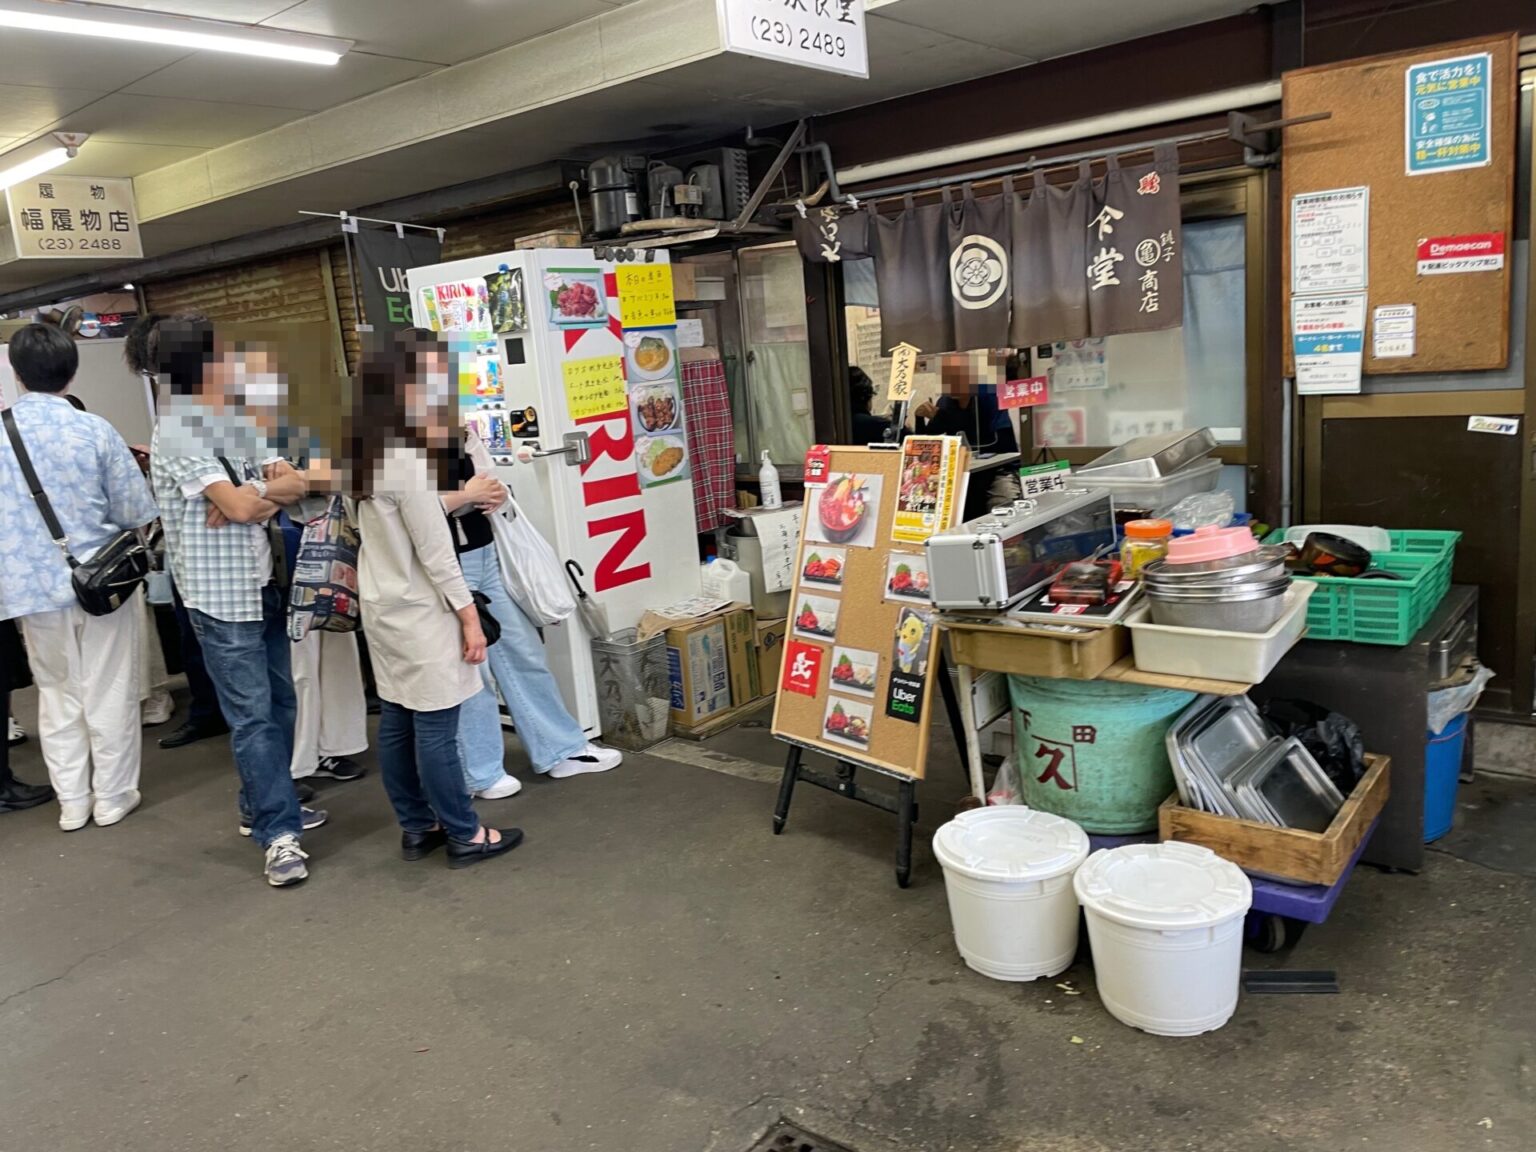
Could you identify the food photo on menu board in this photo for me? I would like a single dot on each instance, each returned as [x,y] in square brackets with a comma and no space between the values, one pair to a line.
[848,722]
[652,353]
[825,566]
[854,670]
[661,459]
[575,297]
[906,577]
[816,617]
[846,510]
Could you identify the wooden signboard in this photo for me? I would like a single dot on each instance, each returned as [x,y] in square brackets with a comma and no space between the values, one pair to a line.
[861,659]
[1386,119]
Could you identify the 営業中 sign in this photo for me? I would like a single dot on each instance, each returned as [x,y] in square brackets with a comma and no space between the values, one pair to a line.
[74,218]
[1448,117]
[1024,393]
[824,34]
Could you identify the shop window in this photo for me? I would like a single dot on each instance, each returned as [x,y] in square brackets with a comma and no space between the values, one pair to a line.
[756,320]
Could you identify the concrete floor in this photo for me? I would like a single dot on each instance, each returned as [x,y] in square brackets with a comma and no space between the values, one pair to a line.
[654,972]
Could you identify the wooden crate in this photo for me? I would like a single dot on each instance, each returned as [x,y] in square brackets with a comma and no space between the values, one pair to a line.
[1285,853]
[999,649]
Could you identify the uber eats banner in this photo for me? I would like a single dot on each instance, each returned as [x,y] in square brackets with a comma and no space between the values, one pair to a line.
[383,258]
[1037,263]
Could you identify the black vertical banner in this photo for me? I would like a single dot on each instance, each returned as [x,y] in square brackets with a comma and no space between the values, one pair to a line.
[978,270]
[911,253]
[383,258]
[1135,264]
[1049,227]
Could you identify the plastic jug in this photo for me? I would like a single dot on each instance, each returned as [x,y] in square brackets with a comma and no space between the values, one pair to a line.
[726,580]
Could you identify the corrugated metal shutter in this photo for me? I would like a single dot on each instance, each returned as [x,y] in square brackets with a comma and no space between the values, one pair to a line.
[286,288]
[346,306]
[497,232]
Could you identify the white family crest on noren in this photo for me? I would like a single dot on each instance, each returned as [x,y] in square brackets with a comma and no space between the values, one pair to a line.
[978,272]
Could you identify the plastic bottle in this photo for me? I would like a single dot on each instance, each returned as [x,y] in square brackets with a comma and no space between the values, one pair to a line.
[726,580]
[768,483]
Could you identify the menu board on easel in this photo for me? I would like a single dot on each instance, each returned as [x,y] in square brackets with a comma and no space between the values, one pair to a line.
[858,675]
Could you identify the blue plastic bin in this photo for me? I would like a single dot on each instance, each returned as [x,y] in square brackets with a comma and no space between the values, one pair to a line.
[1442,772]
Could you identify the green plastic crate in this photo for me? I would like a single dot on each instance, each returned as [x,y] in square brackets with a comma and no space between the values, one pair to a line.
[1384,611]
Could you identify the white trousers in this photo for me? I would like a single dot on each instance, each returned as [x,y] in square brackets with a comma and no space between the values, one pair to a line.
[87,674]
[332,715]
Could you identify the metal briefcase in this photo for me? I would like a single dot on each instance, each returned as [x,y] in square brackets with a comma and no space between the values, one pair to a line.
[996,560]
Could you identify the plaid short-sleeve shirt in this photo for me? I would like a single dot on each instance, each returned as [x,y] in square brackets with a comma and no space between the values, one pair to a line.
[218,571]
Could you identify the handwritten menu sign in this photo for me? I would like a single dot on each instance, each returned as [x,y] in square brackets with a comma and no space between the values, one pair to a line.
[594,387]
[779,535]
[645,295]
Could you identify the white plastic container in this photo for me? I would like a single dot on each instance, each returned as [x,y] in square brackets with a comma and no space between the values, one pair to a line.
[1152,493]
[726,580]
[1165,922]
[1244,657]
[1371,539]
[768,483]
[1008,875]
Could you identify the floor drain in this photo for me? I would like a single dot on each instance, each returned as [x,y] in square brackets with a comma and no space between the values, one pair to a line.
[787,1137]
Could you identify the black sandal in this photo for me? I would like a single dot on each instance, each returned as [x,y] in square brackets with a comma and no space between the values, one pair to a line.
[463,853]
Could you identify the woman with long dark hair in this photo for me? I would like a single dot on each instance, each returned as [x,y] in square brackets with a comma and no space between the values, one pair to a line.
[423,628]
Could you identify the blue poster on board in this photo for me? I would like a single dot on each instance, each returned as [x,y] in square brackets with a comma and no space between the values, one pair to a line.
[1448,114]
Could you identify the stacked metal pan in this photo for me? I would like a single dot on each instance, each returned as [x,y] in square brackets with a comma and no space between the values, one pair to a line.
[1242,593]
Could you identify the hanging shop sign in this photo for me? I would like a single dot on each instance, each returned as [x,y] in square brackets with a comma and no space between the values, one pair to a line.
[384,257]
[1448,114]
[1328,340]
[1135,265]
[830,235]
[1024,393]
[74,218]
[822,34]
[1476,252]
[903,373]
[1330,241]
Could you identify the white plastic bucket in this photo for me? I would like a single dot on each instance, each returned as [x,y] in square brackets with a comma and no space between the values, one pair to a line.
[1008,876]
[1165,922]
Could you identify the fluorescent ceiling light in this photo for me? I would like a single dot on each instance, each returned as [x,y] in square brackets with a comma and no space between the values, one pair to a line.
[36,166]
[169,31]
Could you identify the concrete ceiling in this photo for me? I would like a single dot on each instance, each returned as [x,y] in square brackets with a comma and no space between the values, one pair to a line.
[440,93]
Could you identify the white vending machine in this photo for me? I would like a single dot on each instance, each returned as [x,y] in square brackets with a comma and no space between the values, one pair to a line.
[574,383]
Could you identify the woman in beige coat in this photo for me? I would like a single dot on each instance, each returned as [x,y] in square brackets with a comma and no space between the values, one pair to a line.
[423,629]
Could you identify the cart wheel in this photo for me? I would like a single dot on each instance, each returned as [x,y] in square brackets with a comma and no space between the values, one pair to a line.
[1267,933]
[1293,931]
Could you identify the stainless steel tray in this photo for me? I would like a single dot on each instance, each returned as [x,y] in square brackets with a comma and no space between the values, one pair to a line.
[1150,457]
[1293,787]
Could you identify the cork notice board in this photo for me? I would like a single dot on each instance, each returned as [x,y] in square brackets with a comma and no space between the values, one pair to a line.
[1462,318]
[863,615]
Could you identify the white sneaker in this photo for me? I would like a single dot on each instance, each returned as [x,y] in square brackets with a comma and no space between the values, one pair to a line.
[508,785]
[285,862]
[109,812]
[593,758]
[157,709]
[15,733]
[74,814]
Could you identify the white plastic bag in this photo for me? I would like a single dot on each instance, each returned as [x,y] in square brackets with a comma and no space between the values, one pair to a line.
[529,568]
[1448,703]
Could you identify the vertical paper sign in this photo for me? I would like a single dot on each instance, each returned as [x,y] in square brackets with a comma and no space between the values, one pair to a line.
[1448,114]
[1328,340]
[645,295]
[903,371]
[923,495]
[594,387]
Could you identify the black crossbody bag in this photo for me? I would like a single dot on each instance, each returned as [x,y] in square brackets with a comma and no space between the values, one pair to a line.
[106,581]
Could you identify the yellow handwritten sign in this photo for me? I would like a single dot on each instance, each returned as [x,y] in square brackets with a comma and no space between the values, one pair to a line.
[595,387]
[903,369]
[645,295]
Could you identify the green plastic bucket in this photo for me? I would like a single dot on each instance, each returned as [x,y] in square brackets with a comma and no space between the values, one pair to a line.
[1093,750]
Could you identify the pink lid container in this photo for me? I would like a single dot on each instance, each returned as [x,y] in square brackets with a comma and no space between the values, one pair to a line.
[1211,543]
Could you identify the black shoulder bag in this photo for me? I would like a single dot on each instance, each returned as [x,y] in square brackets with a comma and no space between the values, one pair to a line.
[106,581]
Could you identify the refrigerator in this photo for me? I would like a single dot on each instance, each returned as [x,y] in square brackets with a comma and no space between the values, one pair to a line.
[582,408]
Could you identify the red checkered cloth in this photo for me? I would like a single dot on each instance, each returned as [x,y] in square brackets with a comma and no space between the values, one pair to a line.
[711,440]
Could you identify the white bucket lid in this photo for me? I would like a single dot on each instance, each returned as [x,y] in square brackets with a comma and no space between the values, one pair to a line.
[1163,886]
[1010,842]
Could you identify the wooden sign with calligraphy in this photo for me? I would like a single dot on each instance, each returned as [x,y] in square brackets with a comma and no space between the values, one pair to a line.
[903,371]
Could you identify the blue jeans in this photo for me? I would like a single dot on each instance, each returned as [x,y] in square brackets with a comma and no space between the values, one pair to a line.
[248,662]
[546,727]
[419,761]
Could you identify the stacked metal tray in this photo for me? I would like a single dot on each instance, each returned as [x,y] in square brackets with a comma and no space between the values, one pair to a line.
[1226,761]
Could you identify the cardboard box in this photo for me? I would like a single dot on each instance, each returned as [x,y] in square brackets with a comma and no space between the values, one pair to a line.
[684,286]
[710,657]
[551,238]
[740,642]
[770,654]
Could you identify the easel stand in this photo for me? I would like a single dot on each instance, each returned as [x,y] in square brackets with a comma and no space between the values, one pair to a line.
[846,783]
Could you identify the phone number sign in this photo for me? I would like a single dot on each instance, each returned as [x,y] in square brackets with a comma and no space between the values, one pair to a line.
[824,34]
[74,218]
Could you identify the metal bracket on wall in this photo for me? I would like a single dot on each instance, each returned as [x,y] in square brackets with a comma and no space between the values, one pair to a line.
[1259,138]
